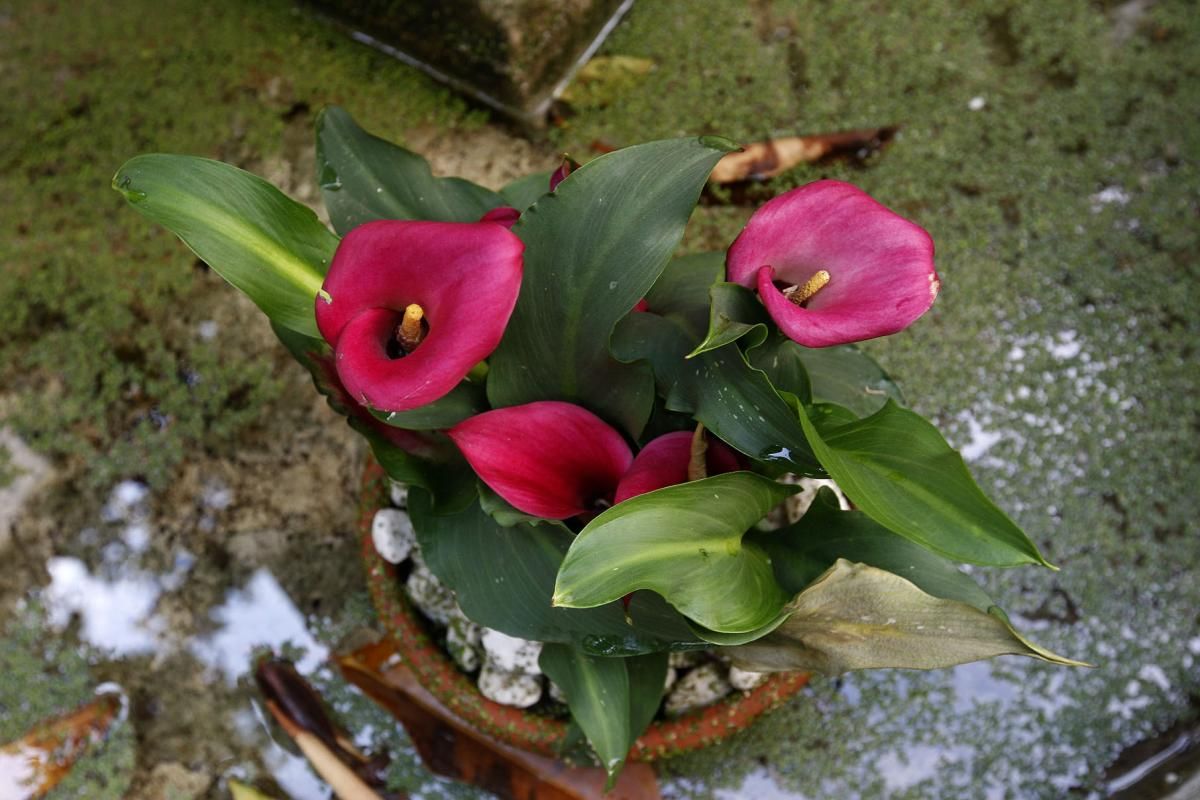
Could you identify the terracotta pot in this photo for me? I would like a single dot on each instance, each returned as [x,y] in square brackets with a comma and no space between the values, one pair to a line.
[538,734]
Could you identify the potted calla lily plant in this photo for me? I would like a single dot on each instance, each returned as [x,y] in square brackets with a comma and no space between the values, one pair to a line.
[597,436]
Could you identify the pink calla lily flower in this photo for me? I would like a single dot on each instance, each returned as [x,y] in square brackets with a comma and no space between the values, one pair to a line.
[853,269]
[411,307]
[556,460]
[664,462]
[551,459]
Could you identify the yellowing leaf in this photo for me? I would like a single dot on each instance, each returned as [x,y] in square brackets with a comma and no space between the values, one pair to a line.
[858,617]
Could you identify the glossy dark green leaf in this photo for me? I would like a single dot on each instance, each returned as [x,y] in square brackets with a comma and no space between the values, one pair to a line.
[896,467]
[593,248]
[734,312]
[264,243]
[719,388]
[684,542]
[504,578]
[681,293]
[782,361]
[524,192]
[465,400]
[364,178]
[504,513]
[849,377]
[855,616]
[611,699]
[802,552]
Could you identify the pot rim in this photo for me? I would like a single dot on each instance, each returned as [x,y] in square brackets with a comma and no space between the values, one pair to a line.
[517,727]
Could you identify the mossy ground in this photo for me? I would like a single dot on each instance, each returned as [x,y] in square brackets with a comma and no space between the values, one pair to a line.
[1051,149]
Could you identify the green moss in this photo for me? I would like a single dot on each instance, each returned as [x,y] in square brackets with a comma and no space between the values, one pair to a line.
[100,337]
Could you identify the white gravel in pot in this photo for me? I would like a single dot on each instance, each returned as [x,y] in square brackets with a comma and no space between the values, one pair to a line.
[509,688]
[703,686]
[744,680]
[392,534]
[510,653]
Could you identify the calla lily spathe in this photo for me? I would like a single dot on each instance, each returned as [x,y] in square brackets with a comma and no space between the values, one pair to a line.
[557,460]
[465,278]
[879,267]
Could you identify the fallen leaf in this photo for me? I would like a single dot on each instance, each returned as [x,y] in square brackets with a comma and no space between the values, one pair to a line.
[299,710]
[859,617]
[34,764]
[766,159]
[241,791]
[451,747]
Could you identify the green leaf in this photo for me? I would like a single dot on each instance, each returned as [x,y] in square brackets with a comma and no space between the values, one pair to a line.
[504,513]
[734,312]
[611,699]
[504,578]
[685,543]
[364,178]
[681,293]
[524,192]
[897,468]
[736,402]
[594,248]
[848,377]
[465,400]
[264,243]
[856,616]
[782,360]
[801,552]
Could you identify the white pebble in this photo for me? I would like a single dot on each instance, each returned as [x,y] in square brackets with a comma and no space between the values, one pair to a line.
[685,658]
[392,533]
[702,686]
[511,654]
[744,680]
[434,600]
[509,688]
[672,676]
[399,494]
[977,103]
[462,640]
[799,503]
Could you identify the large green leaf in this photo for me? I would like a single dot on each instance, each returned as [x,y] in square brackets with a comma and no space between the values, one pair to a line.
[593,248]
[611,699]
[801,552]
[856,616]
[465,400]
[736,402]
[504,578]
[685,543]
[264,243]
[524,192]
[365,178]
[734,312]
[896,467]
[681,293]
[849,377]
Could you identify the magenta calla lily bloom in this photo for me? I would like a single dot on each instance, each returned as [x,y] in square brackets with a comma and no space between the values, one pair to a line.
[551,459]
[878,267]
[556,460]
[664,462]
[463,277]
